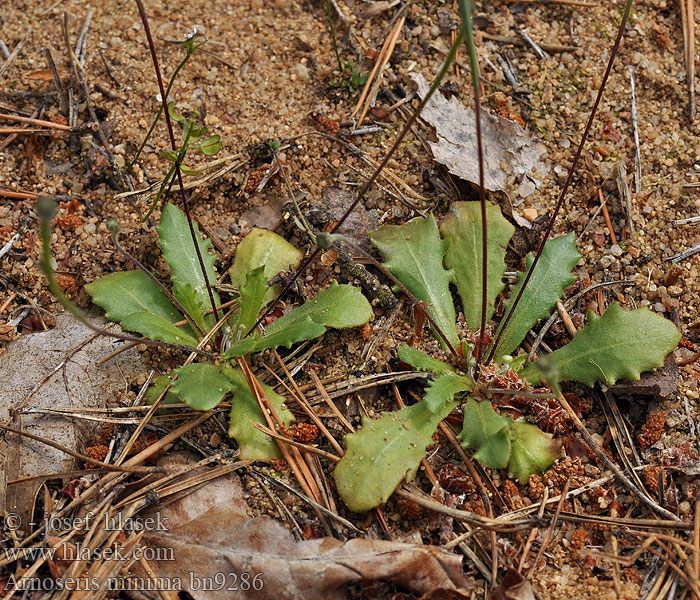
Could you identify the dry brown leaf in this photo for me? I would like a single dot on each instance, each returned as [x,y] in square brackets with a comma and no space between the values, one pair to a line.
[659,382]
[79,383]
[210,533]
[43,75]
[508,149]
[513,587]
[331,208]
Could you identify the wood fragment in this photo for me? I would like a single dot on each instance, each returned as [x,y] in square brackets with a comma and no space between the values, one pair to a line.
[530,42]
[298,395]
[624,192]
[375,79]
[635,130]
[568,323]
[75,454]
[329,402]
[81,44]
[502,39]
[552,525]
[606,216]
[62,95]
[535,530]
[30,121]
[287,440]
[33,130]
[291,453]
[686,221]
[13,55]
[20,195]
[683,255]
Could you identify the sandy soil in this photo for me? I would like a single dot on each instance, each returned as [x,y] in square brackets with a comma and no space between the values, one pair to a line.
[265,76]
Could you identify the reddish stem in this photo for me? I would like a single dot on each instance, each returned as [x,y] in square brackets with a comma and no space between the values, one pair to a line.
[178,173]
[569,179]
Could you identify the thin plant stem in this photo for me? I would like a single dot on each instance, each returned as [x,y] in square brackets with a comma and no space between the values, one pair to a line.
[363,190]
[569,179]
[178,173]
[333,38]
[173,77]
[293,198]
[46,210]
[466,11]
[169,177]
[113,227]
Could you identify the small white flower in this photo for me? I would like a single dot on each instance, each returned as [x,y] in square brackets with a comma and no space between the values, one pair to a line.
[191,33]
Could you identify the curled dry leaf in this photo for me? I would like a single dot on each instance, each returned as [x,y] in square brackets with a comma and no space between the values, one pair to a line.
[513,587]
[508,149]
[210,532]
[80,383]
[332,206]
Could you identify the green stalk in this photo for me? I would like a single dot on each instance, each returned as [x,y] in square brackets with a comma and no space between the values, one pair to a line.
[46,211]
[466,11]
[180,157]
[334,40]
[190,51]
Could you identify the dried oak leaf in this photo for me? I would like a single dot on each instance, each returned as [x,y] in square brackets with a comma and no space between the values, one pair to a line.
[65,359]
[209,532]
[508,149]
[513,587]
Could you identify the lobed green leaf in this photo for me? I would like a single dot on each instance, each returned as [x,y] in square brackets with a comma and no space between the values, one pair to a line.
[422,362]
[551,275]
[338,306]
[263,248]
[462,227]
[185,294]
[253,443]
[444,389]
[532,450]
[384,453]
[179,252]
[252,298]
[619,345]
[157,387]
[487,432]
[156,327]
[413,253]
[201,385]
[126,292]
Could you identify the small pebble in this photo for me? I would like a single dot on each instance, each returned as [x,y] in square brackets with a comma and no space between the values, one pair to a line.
[530,214]
[675,290]
[526,188]
[302,72]
[606,261]
[659,307]
[591,470]
[615,250]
